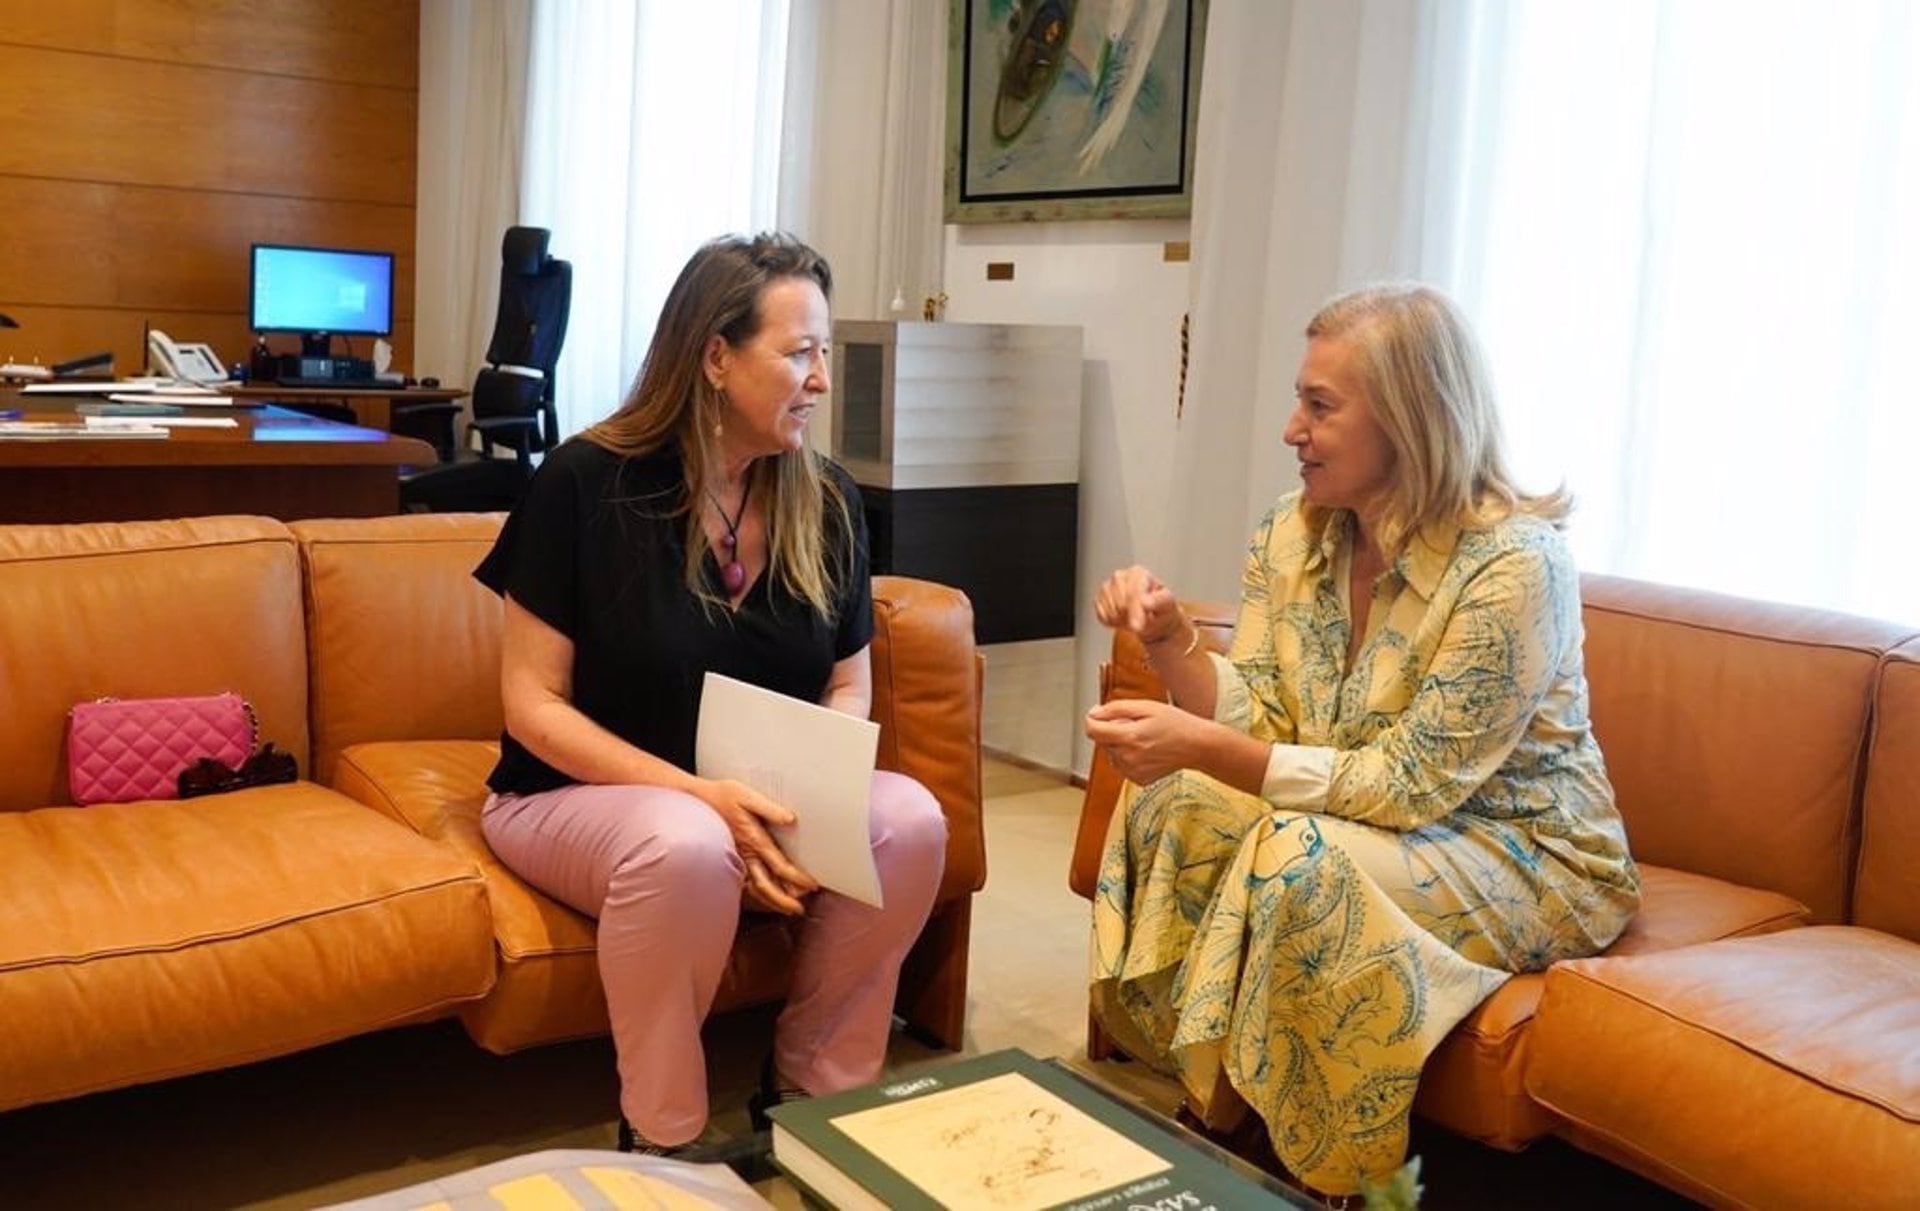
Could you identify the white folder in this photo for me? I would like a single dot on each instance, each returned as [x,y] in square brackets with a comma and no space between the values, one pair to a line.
[815,761]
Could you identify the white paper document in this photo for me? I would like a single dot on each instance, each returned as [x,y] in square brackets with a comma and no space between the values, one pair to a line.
[164,422]
[47,430]
[173,395]
[815,761]
[90,386]
[145,389]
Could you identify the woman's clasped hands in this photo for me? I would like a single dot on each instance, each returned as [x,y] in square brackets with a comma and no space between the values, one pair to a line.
[1147,740]
[774,883]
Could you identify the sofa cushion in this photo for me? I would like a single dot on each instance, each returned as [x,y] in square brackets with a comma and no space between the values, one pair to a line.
[549,983]
[148,609]
[1715,711]
[1770,1071]
[147,940]
[404,642]
[1473,1082]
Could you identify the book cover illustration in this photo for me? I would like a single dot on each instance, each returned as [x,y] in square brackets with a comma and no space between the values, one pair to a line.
[997,1132]
[999,1143]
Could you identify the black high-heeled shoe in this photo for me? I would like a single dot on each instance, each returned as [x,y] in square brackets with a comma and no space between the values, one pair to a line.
[746,1155]
[632,1141]
[770,1094]
[697,1150]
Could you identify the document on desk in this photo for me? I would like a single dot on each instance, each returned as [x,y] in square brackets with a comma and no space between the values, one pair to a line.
[48,430]
[146,388]
[172,395]
[89,386]
[816,761]
[164,422]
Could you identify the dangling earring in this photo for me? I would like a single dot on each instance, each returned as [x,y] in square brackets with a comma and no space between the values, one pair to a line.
[722,396]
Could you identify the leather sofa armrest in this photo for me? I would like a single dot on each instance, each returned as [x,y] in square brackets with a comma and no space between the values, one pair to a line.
[926,699]
[1127,674]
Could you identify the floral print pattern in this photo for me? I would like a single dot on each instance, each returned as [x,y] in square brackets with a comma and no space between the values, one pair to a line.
[1314,953]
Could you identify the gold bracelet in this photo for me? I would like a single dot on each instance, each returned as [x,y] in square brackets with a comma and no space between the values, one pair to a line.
[1195,641]
[1192,643]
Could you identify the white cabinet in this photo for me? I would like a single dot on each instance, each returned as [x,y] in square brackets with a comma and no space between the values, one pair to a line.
[965,441]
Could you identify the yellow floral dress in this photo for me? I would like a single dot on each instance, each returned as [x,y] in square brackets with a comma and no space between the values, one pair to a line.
[1437,817]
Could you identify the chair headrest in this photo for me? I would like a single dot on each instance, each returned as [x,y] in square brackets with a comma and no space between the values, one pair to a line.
[524,250]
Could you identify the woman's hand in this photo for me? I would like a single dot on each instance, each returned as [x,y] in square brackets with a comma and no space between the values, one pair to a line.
[1133,599]
[773,884]
[1147,740]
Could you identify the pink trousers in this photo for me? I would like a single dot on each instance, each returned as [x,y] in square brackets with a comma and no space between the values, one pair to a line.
[658,869]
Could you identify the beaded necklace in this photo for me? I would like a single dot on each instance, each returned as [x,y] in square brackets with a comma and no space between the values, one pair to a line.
[733,573]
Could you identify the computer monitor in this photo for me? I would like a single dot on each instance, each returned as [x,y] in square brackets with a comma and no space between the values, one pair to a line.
[317,292]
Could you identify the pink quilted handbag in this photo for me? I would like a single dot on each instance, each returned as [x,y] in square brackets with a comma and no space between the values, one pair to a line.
[120,750]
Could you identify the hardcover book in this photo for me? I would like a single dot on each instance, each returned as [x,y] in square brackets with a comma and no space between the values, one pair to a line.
[997,1132]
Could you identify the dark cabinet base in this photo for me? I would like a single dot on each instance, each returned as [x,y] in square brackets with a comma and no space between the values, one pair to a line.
[1011,550]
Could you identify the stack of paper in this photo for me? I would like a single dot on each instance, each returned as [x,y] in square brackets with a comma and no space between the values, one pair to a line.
[94,386]
[113,424]
[52,430]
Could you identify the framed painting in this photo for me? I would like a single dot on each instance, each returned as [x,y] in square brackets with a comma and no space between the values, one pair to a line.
[1071,109]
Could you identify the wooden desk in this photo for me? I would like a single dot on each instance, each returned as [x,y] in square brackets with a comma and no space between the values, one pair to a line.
[372,406]
[273,462]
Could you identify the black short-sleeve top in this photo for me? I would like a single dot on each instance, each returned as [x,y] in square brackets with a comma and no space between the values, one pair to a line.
[596,550]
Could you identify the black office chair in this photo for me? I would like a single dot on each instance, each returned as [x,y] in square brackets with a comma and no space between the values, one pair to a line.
[512,400]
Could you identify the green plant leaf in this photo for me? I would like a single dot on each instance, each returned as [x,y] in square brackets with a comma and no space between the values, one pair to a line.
[1400,1192]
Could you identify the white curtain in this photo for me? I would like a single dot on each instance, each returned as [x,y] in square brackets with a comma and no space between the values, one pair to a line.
[865,143]
[651,128]
[1683,230]
[1317,146]
[473,86]
[1694,265]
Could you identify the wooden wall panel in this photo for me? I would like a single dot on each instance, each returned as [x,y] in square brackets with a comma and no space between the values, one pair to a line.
[149,143]
[107,245]
[362,41]
[204,128]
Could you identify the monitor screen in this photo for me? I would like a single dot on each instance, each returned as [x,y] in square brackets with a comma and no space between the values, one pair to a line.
[314,290]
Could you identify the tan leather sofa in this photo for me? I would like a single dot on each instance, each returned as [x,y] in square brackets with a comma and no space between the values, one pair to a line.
[148,940]
[1753,1039]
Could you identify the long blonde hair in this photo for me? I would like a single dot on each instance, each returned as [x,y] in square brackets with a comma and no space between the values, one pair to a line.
[718,294]
[1427,381]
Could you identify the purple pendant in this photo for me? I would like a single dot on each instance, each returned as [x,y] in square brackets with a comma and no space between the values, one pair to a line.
[733,576]
[727,541]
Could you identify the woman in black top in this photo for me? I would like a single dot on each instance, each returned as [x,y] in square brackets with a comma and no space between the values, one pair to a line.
[693,530]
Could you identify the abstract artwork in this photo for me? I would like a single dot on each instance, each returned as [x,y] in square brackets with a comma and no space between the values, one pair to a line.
[1071,109]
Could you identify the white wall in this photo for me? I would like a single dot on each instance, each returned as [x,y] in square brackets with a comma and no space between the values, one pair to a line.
[1110,278]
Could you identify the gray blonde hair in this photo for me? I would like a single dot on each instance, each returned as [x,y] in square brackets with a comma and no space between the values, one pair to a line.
[1427,382]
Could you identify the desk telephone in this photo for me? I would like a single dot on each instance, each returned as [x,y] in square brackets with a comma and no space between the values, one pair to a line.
[194,363]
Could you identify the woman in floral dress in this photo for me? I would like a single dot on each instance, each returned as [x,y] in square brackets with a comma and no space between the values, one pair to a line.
[1342,836]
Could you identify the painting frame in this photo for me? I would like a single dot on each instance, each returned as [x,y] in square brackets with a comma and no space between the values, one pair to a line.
[1045,189]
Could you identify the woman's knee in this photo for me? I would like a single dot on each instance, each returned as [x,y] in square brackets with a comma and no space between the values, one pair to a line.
[674,836]
[906,814]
